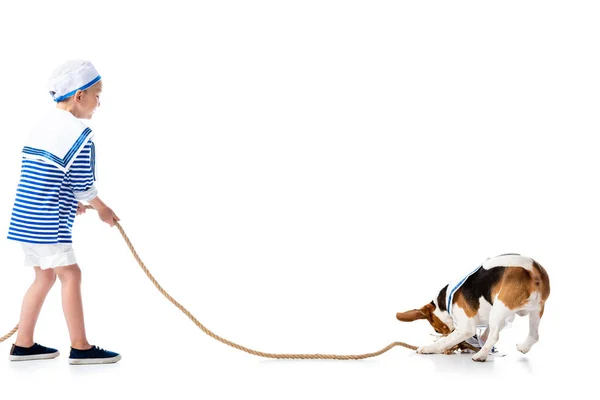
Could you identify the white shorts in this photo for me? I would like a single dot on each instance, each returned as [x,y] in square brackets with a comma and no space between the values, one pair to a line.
[48,255]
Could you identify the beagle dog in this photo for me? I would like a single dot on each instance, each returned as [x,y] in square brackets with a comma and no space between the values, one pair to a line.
[491,295]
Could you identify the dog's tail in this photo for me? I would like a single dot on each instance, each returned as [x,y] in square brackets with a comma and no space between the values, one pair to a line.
[540,280]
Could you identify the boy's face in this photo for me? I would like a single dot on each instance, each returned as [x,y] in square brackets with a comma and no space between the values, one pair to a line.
[87,101]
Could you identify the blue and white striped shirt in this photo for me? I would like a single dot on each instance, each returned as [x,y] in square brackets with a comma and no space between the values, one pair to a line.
[46,200]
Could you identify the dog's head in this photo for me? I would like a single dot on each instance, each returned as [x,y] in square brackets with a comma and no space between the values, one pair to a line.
[441,321]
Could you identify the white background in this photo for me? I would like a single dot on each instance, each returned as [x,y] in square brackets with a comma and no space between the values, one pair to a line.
[295,173]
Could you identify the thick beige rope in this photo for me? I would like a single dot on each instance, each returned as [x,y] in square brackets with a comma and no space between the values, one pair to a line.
[227,342]
[9,334]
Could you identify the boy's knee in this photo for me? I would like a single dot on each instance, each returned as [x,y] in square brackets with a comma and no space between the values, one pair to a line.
[69,273]
[46,277]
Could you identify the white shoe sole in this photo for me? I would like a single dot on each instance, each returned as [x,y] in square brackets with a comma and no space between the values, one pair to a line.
[90,361]
[34,357]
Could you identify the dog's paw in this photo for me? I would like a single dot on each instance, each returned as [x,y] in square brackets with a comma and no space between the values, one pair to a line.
[427,350]
[523,347]
[480,356]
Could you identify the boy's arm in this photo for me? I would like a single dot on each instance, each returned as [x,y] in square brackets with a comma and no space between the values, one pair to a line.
[81,176]
[105,213]
[97,203]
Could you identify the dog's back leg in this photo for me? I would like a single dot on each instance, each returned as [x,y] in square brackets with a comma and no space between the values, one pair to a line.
[499,314]
[533,337]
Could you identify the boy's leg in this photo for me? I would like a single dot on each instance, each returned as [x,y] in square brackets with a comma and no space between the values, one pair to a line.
[70,278]
[81,350]
[32,305]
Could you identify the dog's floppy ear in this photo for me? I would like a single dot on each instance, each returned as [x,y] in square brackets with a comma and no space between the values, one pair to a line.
[409,316]
[413,315]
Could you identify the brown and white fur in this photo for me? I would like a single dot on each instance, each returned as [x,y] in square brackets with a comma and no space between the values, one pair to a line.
[506,285]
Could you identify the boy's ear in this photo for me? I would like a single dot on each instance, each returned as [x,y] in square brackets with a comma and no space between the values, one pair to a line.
[77,96]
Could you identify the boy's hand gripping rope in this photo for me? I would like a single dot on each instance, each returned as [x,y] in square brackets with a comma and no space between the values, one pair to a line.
[225,341]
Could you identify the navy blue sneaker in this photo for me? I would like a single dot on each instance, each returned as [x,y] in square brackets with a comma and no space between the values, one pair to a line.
[35,352]
[95,355]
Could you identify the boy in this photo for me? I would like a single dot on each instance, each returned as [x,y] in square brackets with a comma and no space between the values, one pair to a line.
[57,172]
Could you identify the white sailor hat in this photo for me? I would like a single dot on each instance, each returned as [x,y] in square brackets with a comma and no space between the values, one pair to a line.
[70,77]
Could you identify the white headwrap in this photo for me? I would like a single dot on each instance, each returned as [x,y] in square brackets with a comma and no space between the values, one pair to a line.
[59,136]
[70,77]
